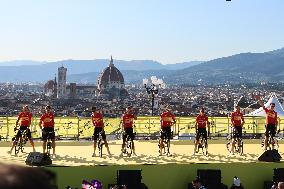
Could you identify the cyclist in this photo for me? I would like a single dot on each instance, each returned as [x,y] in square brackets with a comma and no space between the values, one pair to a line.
[97,120]
[47,121]
[168,119]
[237,121]
[127,122]
[25,118]
[271,121]
[201,122]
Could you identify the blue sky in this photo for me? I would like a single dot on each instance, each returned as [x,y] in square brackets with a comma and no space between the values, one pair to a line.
[163,30]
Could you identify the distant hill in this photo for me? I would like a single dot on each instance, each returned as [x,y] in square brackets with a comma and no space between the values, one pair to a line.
[240,68]
[130,76]
[31,71]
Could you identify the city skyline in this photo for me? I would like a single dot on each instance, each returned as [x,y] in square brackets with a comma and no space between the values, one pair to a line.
[167,32]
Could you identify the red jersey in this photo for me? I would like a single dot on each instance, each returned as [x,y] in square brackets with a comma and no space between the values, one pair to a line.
[127,120]
[167,119]
[201,121]
[97,119]
[25,118]
[271,116]
[237,118]
[47,119]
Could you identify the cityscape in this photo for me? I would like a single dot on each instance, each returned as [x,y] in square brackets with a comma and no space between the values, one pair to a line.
[145,94]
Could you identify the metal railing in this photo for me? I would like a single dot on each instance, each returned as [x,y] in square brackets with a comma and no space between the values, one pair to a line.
[77,128]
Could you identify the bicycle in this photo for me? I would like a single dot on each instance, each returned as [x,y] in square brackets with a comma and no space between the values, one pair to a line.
[203,144]
[166,143]
[101,143]
[272,142]
[239,145]
[21,142]
[128,147]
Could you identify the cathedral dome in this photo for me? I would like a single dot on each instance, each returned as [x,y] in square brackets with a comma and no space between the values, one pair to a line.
[110,75]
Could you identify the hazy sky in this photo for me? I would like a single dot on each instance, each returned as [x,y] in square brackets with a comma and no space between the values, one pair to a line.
[164,30]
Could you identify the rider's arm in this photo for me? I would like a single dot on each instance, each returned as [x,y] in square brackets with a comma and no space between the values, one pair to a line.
[232,118]
[195,125]
[39,124]
[208,126]
[260,102]
[243,121]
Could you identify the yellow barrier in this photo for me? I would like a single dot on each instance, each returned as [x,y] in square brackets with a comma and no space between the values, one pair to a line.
[78,127]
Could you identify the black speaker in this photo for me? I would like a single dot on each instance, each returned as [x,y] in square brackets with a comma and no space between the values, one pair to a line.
[268,184]
[270,156]
[209,177]
[38,159]
[130,178]
[278,175]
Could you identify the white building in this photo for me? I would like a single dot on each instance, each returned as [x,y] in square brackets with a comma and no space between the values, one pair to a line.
[61,85]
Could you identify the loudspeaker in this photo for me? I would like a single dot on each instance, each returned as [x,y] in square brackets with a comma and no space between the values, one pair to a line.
[270,156]
[268,184]
[130,178]
[38,159]
[209,176]
[278,175]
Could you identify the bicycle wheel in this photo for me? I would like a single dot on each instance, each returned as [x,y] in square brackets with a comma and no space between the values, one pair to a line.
[228,145]
[270,143]
[129,148]
[168,146]
[48,147]
[100,146]
[205,148]
[17,149]
[241,147]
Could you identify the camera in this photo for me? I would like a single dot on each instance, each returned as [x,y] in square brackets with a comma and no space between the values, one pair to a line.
[119,187]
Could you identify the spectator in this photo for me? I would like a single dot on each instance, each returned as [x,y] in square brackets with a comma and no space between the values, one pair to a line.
[280,185]
[19,177]
[237,184]
[197,183]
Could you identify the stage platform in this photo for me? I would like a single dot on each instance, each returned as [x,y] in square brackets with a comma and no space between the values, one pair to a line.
[74,163]
[80,153]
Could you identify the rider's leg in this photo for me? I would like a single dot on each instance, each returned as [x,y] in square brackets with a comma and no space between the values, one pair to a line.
[32,144]
[196,144]
[161,145]
[44,146]
[106,145]
[133,147]
[265,142]
[53,146]
[123,143]
[13,145]
[233,145]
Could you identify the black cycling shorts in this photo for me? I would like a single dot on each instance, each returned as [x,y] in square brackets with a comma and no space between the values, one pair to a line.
[238,132]
[97,131]
[20,131]
[166,132]
[201,132]
[48,132]
[128,132]
[270,128]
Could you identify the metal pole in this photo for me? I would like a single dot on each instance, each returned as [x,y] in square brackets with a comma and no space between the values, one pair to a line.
[153,96]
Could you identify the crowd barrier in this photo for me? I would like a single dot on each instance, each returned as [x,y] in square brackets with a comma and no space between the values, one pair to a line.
[77,128]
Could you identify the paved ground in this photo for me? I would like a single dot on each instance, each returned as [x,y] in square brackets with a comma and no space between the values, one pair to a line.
[79,153]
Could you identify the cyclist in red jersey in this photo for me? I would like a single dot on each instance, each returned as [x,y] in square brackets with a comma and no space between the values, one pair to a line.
[25,118]
[97,120]
[201,122]
[168,119]
[47,121]
[237,121]
[127,123]
[271,121]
